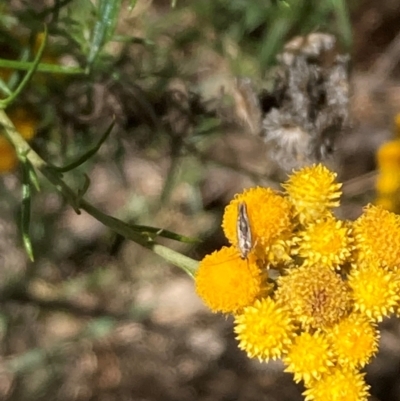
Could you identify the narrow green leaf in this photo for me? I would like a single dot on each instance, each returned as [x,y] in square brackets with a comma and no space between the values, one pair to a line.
[154,232]
[4,88]
[273,38]
[82,191]
[85,157]
[42,67]
[33,178]
[6,102]
[104,28]
[133,39]
[26,210]
[76,200]
[30,170]
[343,19]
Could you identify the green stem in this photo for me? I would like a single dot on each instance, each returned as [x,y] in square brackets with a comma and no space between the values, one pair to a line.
[42,67]
[10,99]
[22,147]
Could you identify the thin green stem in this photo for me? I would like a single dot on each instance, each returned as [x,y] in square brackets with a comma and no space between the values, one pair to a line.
[42,67]
[10,99]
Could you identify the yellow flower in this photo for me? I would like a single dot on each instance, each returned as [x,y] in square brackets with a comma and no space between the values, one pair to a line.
[8,158]
[226,283]
[316,296]
[264,330]
[388,182]
[270,218]
[327,242]
[354,340]
[377,236]
[375,289]
[25,123]
[339,385]
[388,203]
[313,192]
[309,357]
[388,188]
[388,155]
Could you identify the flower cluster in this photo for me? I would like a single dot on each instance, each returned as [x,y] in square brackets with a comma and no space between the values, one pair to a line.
[312,287]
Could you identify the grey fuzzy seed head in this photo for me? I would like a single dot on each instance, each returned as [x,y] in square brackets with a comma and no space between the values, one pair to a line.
[311,90]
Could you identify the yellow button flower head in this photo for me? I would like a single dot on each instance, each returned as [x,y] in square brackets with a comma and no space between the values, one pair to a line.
[270,218]
[316,296]
[25,121]
[339,385]
[313,192]
[388,155]
[326,241]
[309,357]
[354,340]
[387,202]
[388,183]
[388,180]
[227,283]
[377,236]
[388,189]
[376,290]
[264,330]
[8,158]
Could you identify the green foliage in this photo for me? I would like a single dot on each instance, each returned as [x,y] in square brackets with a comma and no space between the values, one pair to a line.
[262,27]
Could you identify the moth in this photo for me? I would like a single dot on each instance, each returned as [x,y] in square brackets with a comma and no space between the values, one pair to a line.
[243,231]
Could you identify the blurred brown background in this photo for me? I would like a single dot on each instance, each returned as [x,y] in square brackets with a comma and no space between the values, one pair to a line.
[97,317]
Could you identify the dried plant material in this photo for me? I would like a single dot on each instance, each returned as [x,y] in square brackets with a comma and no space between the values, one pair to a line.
[310,102]
[239,103]
[247,104]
